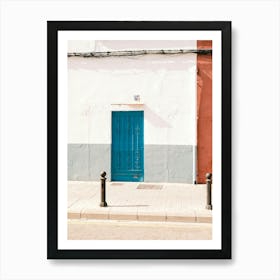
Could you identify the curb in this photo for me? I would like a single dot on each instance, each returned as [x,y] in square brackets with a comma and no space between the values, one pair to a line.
[98,214]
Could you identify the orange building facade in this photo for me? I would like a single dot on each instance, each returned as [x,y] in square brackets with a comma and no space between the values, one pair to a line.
[204,111]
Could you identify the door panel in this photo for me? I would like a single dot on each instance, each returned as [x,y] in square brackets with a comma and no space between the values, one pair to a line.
[128,146]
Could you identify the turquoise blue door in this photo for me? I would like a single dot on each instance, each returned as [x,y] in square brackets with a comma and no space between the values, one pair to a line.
[128,146]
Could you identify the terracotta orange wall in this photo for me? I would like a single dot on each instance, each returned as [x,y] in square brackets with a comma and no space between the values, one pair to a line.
[204,111]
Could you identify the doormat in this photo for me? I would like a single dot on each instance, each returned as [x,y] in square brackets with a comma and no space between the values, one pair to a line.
[116,184]
[149,187]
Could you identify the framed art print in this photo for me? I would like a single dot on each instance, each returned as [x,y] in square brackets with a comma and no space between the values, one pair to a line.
[139,140]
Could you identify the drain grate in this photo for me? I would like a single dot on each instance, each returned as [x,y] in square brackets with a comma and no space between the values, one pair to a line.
[116,184]
[149,187]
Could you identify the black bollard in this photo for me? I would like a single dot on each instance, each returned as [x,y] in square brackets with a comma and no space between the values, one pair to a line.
[103,202]
[209,190]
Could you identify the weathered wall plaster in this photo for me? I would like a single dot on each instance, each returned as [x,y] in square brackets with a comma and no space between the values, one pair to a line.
[166,85]
[167,88]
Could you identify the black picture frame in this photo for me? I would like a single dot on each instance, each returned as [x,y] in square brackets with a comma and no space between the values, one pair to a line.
[52,129]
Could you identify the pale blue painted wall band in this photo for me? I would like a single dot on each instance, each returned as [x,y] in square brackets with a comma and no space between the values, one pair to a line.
[162,163]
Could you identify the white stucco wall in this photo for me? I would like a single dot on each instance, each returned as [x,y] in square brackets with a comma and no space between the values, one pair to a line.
[115,45]
[166,84]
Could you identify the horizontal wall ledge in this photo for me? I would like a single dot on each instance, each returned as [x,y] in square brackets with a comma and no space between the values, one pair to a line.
[137,52]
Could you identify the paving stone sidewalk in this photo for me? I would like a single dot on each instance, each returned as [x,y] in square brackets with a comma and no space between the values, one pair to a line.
[139,202]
